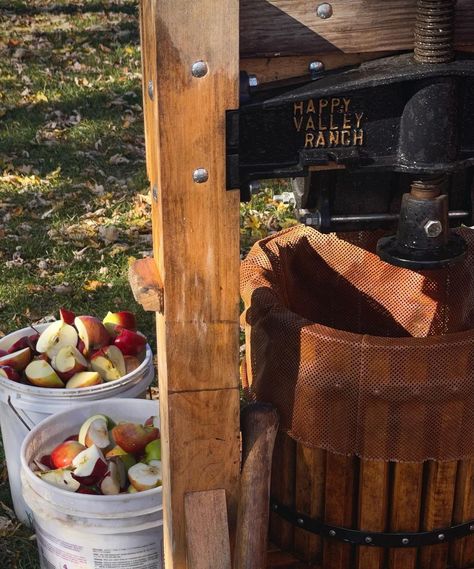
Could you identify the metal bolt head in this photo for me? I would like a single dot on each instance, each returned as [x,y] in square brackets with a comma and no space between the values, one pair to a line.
[441,536]
[275,507]
[150,89]
[332,533]
[324,11]
[199,69]
[433,228]
[200,175]
[405,541]
[300,521]
[471,527]
[253,81]
[316,67]
[368,539]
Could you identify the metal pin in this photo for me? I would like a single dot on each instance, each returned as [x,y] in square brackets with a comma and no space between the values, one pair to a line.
[200,175]
[324,11]
[199,69]
[150,89]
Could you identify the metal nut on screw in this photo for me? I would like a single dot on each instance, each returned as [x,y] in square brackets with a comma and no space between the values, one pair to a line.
[200,175]
[368,539]
[433,228]
[441,536]
[332,533]
[405,541]
[316,67]
[300,521]
[324,11]
[199,69]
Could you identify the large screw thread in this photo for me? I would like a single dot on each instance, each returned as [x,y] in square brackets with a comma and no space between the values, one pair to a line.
[434,31]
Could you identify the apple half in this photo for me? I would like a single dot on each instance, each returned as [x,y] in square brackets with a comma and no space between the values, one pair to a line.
[61,477]
[92,332]
[84,379]
[109,363]
[69,361]
[41,374]
[63,454]
[145,476]
[95,431]
[17,360]
[56,335]
[89,466]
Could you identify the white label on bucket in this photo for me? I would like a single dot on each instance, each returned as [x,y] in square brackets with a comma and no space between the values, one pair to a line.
[57,553]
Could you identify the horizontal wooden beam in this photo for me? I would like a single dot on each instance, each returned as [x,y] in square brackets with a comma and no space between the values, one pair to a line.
[270,28]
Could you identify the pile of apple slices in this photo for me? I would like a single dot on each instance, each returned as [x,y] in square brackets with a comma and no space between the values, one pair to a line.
[76,351]
[105,458]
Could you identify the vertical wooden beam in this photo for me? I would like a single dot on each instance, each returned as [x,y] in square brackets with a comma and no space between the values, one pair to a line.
[196,248]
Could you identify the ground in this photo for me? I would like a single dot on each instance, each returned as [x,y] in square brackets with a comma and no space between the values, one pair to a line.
[74,202]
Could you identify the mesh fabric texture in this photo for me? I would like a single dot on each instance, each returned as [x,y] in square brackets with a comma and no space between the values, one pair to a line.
[358,356]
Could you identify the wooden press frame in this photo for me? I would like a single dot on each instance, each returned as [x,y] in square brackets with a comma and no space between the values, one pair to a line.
[192,280]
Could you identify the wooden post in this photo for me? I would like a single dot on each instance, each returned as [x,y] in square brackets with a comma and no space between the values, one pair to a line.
[196,249]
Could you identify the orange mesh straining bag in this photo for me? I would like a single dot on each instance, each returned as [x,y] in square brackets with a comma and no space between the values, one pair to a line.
[361,357]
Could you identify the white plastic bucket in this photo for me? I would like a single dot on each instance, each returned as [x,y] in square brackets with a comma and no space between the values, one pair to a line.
[81,531]
[24,406]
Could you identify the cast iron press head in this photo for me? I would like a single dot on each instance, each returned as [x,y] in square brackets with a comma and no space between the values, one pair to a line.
[395,138]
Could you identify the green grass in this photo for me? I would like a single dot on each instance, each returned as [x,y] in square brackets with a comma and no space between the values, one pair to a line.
[71,165]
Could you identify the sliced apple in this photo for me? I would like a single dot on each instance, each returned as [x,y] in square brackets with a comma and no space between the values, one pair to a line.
[83,379]
[63,455]
[61,477]
[117,453]
[95,431]
[109,362]
[145,476]
[130,343]
[133,437]
[9,373]
[17,360]
[153,451]
[92,332]
[66,316]
[41,374]
[121,319]
[57,335]
[69,361]
[24,342]
[113,480]
[89,466]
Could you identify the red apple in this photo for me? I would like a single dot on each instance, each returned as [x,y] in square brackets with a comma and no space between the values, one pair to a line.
[122,319]
[17,360]
[109,363]
[92,332]
[10,373]
[133,437]
[66,316]
[24,342]
[41,374]
[81,347]
[130,343]
[89,466]
[3,353]
[63,455]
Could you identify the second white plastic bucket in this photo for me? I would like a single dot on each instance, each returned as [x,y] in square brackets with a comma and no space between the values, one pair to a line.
[81,531]
[24,406]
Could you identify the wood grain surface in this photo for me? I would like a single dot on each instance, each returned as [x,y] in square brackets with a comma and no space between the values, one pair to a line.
[270,28]
[207,532]
[196,248]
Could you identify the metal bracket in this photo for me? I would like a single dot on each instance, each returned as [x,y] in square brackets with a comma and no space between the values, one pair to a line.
[376,539]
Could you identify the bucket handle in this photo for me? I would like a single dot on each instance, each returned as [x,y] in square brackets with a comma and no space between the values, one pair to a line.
[13,408]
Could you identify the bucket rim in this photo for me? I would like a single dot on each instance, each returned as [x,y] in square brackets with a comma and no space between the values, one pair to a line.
[22,389]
